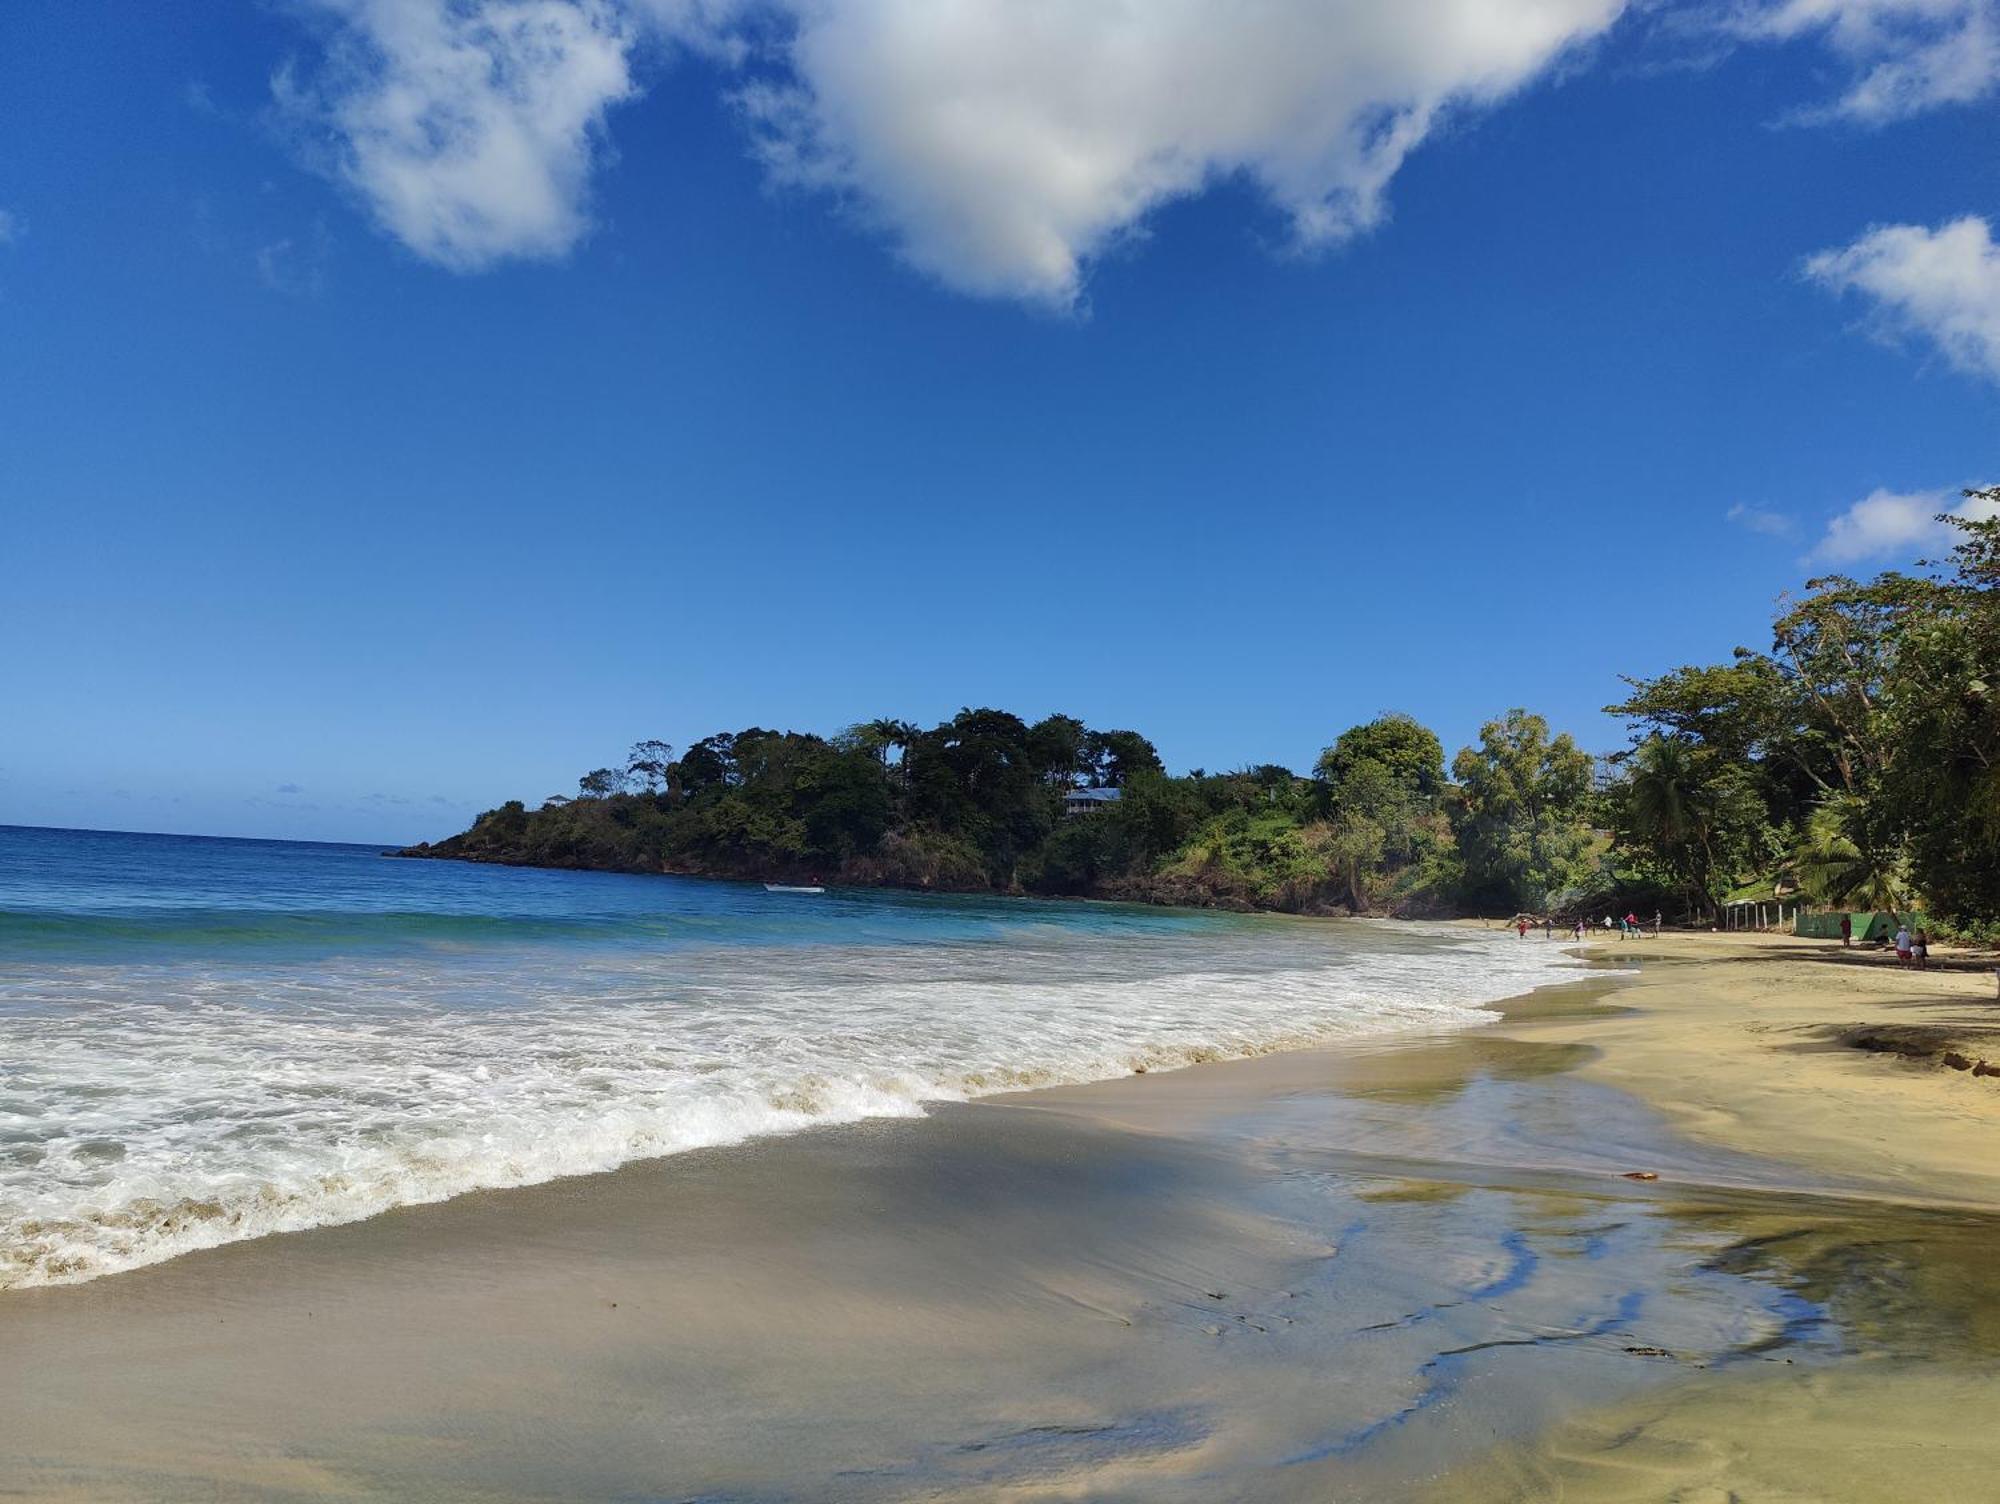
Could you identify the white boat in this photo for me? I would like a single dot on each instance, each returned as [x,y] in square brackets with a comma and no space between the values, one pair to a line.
[791,888]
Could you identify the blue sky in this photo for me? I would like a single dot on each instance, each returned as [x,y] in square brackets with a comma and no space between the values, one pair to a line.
[406,406]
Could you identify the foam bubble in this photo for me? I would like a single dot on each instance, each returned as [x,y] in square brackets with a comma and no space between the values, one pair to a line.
[148,1111]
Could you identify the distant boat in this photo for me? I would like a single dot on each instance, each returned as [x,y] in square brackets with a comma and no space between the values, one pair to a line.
[792,888]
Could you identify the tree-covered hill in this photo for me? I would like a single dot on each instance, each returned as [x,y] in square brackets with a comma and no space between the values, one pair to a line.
[978,803]
[1854,764]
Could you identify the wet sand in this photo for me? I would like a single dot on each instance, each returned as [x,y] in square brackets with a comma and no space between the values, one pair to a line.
[1742,1041]
[1400,1270]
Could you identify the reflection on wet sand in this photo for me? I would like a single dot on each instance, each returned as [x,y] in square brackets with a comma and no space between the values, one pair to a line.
[1344,1274]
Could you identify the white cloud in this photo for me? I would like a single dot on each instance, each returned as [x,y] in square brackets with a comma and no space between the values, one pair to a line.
[11,227]
[1907,55]
[1000,146]
[1004,146]
[1762,520]
[1897,526]
[1943,284]
[470,129]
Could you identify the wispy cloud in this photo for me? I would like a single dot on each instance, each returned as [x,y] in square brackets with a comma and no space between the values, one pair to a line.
[1763,520]
[469,127]
[296,264]
[1894,527]
[289,788]
[1904,56]
[12,227]
[1942,285]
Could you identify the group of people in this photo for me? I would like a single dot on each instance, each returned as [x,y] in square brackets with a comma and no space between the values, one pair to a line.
[1911,945]
[1631,927]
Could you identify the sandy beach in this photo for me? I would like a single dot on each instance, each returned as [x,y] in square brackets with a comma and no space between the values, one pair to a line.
[747,745]
[1412,1268]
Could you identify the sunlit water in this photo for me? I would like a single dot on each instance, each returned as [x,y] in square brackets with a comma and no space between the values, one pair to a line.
[206,1040]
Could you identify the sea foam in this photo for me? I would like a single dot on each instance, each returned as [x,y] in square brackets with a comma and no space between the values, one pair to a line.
[151,1109]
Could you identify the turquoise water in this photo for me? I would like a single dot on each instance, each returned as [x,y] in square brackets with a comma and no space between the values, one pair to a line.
[112,896]
[203,1040]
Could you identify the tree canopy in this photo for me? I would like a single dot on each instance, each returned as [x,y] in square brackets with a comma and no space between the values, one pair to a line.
[1521,812]
[1857,759]
[978,802]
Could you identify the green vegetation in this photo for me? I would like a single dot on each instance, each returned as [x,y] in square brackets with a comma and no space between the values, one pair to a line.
[1856,762]
[977,803]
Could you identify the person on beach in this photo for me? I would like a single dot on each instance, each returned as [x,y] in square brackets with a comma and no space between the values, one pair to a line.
[1903,944]
[1522,924]
[1846,931]
[1581,927]
[1659,922]
[1920,947]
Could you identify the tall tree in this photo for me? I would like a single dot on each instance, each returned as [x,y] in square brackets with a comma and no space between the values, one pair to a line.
[709,764]
[1691,814]
[1115,757]
[1836,647]
[1939,796]
[1408,751]
[975,777]
[601,783]
[1519,813]
[1056,743]
[1748,713]
[650,762]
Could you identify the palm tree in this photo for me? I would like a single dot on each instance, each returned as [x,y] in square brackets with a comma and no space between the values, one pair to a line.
[1669,809]
[881,734]
[1836,870]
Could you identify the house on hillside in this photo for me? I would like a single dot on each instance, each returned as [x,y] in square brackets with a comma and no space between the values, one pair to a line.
[1088,801]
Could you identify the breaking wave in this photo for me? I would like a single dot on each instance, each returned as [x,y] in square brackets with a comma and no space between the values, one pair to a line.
[193,1093]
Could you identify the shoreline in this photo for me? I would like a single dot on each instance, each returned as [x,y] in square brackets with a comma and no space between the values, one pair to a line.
[1210,1024]
[1771,1019]
[1904,1144]
[1137,892]
[1348,1269]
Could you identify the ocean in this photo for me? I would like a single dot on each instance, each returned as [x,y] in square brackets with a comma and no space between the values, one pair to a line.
[204,1040]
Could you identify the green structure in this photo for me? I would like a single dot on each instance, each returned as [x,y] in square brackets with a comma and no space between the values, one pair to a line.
[1879,925]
